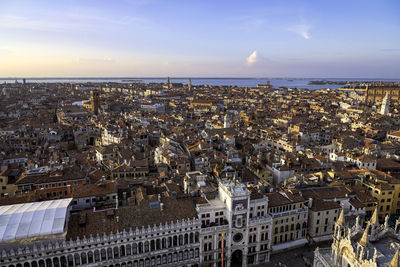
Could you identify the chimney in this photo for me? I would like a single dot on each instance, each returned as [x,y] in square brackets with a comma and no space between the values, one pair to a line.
[310,202]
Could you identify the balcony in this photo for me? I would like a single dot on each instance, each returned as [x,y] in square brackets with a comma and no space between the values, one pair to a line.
[259,220]
[287,213]
[220,228]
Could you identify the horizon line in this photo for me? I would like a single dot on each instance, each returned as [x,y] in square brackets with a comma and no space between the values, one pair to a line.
[185,77]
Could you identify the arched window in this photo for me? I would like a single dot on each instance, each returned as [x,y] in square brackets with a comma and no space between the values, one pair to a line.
[140,247]
[49,263]
[158,244]
[180,240]
[164,243]
[196,237]
[103,254]
[191,238]
[63,261]
[77,259]
[186,239]
[109,253]
[96,256]
[146,246]
[128,250]
[90,257]
[158,260]
[116,252]
[56,262]
[164,259]
[134,249]
[122,251]
[191,253]
[83,258]
[180,255]
[152,245]
[70,260]
[175,241]
[169,242]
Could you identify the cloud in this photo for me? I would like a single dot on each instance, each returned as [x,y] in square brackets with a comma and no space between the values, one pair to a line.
[252,59]
[301,29]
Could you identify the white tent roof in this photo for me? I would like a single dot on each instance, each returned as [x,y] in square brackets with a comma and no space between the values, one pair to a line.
[33,219]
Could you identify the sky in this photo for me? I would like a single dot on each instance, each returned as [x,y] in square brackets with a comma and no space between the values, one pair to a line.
[200,38]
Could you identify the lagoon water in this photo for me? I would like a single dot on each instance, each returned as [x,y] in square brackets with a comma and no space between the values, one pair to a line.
[240,82]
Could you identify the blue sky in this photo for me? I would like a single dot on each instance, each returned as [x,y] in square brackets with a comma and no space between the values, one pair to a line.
[204,38]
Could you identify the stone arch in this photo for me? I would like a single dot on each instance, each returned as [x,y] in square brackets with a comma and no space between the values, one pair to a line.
[180,256]
[90,257]
[158,262]
[158,244]
[152,245]
[134,249]
[163,243]
[77,259]
[27,264]
[41,263]
[186,239]
[191,253]
[63,261]
[49,263]
[109,253]
[345,256]
[83,258]
[34,264]
[96,255]
[191,237]
[140,247]
[180,240]
[122,251]
[70,260]
[56,262]
[116,252]
[103,254]
[175,241]
[146,246]
[128,250]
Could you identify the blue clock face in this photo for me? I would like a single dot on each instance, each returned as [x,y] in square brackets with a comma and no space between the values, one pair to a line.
[237,237]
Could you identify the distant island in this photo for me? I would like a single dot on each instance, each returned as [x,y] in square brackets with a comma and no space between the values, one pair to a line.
[327,82]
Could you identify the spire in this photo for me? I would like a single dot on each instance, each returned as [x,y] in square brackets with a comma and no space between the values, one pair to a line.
[364,239]
[374,218]
[340,221]
[395,260]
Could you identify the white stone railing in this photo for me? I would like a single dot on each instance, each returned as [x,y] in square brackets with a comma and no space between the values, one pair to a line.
[50,246]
